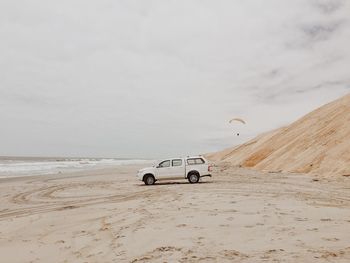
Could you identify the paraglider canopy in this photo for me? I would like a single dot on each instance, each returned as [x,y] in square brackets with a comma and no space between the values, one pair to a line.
[238,120]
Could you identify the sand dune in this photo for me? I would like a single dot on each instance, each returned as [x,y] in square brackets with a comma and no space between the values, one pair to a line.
[318,143]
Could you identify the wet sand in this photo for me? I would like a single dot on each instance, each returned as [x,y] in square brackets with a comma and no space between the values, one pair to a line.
[236,216]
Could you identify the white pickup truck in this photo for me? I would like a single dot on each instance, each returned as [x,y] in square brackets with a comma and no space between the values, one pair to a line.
[191,168]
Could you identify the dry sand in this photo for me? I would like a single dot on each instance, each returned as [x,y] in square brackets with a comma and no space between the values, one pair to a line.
[318,143]
[236,216]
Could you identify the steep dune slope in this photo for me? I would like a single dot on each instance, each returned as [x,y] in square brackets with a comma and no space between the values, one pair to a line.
[318,143]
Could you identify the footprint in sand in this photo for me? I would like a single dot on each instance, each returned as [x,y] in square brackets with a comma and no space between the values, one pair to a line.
[283,214]
[327,255]
[301,219]
[271,251]
[312,229]
[332,239]
[233,253]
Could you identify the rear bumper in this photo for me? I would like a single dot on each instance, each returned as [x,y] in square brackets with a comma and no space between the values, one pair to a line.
[206,175]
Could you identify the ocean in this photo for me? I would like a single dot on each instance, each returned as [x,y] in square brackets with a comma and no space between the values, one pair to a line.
[24,166]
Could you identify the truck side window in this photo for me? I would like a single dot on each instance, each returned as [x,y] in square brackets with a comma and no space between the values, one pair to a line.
[164,164]
[195,161]
[199,161]
[177,162]
[191,161]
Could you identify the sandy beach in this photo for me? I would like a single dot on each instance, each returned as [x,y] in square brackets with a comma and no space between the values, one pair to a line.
[238,215]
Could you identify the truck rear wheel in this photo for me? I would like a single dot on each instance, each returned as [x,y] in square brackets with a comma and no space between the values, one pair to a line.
[193,178]
[149,179]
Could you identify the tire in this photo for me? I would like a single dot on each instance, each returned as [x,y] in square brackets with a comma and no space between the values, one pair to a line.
[149,180]
[193,178]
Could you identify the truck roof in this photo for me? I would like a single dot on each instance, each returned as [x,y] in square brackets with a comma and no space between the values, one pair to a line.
[187,157]
[196,156]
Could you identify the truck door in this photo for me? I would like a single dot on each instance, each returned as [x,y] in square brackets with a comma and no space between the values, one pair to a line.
[178,168]
[164,170]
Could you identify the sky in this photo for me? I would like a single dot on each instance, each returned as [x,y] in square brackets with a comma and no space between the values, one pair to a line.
[161,78]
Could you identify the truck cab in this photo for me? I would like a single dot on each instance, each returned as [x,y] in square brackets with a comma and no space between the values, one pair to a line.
[190,168]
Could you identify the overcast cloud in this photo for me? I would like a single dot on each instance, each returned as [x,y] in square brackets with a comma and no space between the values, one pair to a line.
[161,78]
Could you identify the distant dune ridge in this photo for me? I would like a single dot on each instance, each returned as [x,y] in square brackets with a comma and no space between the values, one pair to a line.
[318,143]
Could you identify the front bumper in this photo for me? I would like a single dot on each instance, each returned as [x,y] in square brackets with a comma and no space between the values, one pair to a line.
[139,176]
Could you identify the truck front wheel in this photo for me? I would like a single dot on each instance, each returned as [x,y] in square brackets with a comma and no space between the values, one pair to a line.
[193,178]
[149,179]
